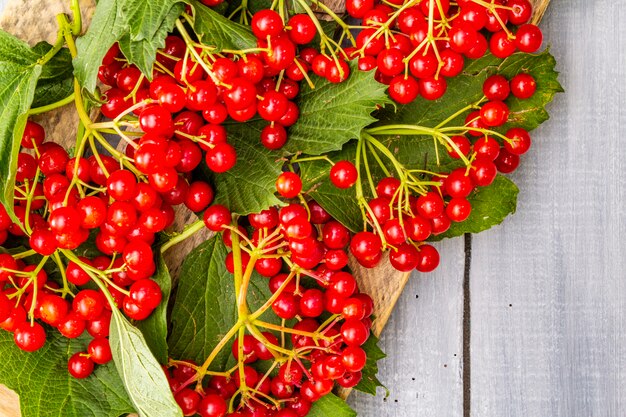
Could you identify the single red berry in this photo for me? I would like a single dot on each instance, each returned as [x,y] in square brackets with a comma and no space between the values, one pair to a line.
[496,88]
[523,86]
[80,366]
[100,351]
[289,184]
[89,304]
[343,174]
[29,338]
[528,38]
[428,259]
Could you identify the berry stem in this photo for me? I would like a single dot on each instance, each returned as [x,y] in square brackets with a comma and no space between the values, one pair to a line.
[66,288]
[187,232]
[217,349]
[284,329]
[44,109]
[258,313]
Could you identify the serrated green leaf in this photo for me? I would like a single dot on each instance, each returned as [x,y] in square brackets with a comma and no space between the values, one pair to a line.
[140,372]
[19,72]
[333,114]
[490,206]
[154,328]
[250,186]
[370,381]
[141,24]
[142,52]
[57,79]
[331,406]
[205,308]
[214,29]
[45,387]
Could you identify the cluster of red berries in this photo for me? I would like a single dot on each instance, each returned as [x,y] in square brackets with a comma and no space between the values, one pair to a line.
[192,94]
[414,48]
[58,201]
[403,228]
[333,319]
[28,289]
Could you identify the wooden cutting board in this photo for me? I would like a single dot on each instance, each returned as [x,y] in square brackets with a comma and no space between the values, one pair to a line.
[34,20]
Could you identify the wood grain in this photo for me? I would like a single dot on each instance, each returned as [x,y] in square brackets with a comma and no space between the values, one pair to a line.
[548,289]
[423,341]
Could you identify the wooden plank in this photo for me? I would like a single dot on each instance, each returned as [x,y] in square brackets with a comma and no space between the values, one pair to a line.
[423,341]
[547,288]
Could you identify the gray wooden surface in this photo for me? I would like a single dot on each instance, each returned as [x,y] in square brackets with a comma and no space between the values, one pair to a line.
[547,300]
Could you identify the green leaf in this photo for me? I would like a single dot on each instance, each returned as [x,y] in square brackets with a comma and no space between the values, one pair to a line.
[19,72]
[45,387]
[57,79]
[205,308]
[331,406]
[490,206]
[332,114]
[214,29]
[142,25]
[340,203]
[141,374]
[154,328]
[143,52]
[370,381]
[250,186]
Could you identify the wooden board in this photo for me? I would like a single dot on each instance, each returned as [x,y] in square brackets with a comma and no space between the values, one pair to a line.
[423,341]
[548,287]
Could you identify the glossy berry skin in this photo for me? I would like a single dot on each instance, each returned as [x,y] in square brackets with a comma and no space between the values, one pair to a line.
[528,38]
[146,293]
[221,157]
[29,338]
[404,258]
[483,171]
[494,113]
[430,205]
[303,29]
[43,242]
[507,162]
[519,143]
[496,88]
[53,309]
[273,137]
[354,332]
[157,120]
[343,174]
[365,245]
[289,184]
[458,209]
[501,46]
[266,23]
[212,406]
[428,259]
[89,304]
[80,366]
[216,217]
[404,89]
[523,86]
[100,351]
[458,184]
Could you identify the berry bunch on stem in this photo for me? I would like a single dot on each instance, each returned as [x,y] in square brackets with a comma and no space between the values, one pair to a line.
[324,320]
